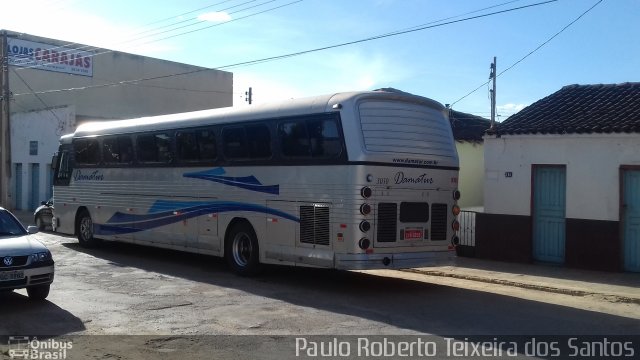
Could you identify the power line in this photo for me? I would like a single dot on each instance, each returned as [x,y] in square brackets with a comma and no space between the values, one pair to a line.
[187,13]
[279,57]
[196,23]
[532,51]
[89,48]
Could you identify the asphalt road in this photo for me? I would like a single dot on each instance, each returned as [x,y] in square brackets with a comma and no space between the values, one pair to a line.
[121,289]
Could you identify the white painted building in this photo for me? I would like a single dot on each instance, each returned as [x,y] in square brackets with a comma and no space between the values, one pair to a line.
[32,149]
[562,181]
[56,86]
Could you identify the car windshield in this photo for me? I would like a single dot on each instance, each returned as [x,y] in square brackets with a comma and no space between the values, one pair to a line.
[9,225]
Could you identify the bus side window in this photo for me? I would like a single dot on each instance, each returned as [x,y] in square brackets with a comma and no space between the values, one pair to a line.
[325,138]
[258,141]
[154,148]
[294,139]
[117,150]
[87,151]
[234,143]
[187,146]
[207,146]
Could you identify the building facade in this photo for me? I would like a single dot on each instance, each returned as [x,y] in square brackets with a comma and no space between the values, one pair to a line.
[562,181]
[54,86]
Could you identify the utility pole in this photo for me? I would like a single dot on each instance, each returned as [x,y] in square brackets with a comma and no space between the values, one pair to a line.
[249,96]
[5,145]
[492,76]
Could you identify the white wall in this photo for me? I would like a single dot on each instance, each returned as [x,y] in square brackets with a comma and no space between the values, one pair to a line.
[45,127]
[592,165]
[196,91]
[471,178]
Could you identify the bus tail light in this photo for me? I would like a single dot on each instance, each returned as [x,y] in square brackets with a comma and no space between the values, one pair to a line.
[366,192]
[365,209]
[365,226]
[456,195]
[364,243]
[455,240]
[455,225]
[455,209]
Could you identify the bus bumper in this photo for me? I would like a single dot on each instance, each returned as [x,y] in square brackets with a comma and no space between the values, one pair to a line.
[394,261]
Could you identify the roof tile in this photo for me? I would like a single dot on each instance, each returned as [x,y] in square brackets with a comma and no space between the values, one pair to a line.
[600,108]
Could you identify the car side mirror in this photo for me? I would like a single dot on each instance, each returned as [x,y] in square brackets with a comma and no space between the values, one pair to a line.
[32,229]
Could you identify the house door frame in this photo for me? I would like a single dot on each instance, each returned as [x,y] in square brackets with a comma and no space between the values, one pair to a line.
[629,264]
[548,224]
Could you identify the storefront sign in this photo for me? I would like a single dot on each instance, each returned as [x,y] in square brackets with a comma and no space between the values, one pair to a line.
[48,57]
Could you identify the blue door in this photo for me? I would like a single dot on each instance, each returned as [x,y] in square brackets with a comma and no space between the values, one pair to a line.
[19,187]
[631,220]
[549,199]
[34,198]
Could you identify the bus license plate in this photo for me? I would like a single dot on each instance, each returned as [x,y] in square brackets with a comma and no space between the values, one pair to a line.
[412,234]
[11,275]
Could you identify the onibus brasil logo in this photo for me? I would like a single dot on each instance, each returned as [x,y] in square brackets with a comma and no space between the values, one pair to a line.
[25,347]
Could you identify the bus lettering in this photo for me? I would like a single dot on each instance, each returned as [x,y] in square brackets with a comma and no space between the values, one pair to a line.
[422,179]
[96,175]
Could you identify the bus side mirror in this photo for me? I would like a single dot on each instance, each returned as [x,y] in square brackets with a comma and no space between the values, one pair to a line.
[54,161]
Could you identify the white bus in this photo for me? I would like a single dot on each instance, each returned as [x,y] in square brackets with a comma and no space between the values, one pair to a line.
[359,180]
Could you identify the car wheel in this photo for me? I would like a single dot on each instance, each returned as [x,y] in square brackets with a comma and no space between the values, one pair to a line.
[39,292]
[241,250]
[84,229]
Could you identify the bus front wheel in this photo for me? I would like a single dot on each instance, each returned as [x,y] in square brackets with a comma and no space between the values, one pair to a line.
[241,250]
[84,229]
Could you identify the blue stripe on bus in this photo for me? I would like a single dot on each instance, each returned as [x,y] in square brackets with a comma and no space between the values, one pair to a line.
[245,182]
[169,212]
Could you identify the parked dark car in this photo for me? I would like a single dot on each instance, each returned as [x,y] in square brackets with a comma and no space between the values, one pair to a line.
[24,261]
[43,215]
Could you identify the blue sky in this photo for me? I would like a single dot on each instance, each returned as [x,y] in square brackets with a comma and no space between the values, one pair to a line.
[444,63]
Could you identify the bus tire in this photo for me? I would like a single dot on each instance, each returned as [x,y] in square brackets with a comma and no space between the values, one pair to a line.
[84,230]
[241,250]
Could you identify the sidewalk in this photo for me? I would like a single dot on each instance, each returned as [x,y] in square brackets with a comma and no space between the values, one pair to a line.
[612,286]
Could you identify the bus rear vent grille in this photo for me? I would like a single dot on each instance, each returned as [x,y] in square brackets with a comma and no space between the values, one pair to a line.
[314,225]
[438,221]
[387,222]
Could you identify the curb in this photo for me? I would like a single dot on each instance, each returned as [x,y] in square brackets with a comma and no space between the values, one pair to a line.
[556,290]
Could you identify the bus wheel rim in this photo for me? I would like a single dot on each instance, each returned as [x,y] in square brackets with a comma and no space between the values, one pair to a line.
[242,249]
[85,228]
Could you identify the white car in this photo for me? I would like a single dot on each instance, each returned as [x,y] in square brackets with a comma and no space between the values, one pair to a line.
[24,261]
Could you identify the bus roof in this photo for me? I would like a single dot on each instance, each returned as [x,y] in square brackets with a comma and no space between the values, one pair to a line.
[291,107]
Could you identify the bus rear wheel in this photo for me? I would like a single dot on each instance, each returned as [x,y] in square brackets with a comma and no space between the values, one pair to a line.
[84,229]
[241,250]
